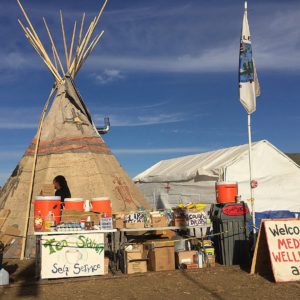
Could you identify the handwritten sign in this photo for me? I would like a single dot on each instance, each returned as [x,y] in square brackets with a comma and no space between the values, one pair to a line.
[73,255]
[196,219]
[283,243]
[137,217]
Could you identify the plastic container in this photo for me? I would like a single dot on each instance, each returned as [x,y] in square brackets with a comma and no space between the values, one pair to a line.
[102,205]
[4,277]
[49,222]
[74,204]
[231,241]
[44,204]
[226,192]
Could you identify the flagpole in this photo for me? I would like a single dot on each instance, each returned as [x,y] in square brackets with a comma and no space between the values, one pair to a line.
[251,173]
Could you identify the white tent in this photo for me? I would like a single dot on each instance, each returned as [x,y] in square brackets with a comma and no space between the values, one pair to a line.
[192,178]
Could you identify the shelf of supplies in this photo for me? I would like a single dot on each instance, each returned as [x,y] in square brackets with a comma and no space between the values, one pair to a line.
[164,228]
[74,232]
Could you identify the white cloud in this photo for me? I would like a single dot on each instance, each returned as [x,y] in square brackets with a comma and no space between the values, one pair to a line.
[19,118]
[3,177]
[129,151]
[12,154]
[141,120]
[109,75]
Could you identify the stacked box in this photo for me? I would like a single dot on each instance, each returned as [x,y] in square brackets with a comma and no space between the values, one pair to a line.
[135,259]
[161,255]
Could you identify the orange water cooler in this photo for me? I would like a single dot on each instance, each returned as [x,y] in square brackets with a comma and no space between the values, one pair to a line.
[226,192]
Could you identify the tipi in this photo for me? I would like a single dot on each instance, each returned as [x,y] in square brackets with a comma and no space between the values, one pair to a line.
[67,143]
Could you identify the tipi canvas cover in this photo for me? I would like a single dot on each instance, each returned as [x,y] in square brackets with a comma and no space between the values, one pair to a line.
[192,178]
[68,144]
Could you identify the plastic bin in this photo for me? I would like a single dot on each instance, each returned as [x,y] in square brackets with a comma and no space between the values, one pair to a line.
[232,235]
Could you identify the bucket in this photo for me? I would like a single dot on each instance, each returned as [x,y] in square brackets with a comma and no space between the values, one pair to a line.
[45,204]
[74,204]
[226,192]
[102,205]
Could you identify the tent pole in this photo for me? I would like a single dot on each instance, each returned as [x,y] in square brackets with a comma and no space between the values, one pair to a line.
[251,173]
[38,136]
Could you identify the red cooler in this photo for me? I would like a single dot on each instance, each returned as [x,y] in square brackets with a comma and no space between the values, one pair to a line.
[74,204]
[102,205]
[44,204]
[226,192]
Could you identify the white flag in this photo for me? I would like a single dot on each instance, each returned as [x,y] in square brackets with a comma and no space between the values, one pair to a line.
[248,81]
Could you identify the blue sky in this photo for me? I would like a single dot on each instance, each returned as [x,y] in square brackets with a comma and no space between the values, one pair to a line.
[165,72]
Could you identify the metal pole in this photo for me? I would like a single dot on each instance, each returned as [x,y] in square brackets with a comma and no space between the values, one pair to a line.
[251,173]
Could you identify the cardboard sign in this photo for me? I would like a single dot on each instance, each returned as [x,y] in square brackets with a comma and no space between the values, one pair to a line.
[72,255]
[137,217]
[196,219]
[282,237]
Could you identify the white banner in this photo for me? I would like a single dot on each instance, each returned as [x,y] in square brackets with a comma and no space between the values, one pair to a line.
[72,255]
[248,82]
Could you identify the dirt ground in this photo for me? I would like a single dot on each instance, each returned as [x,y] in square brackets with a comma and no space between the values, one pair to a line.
[220,282]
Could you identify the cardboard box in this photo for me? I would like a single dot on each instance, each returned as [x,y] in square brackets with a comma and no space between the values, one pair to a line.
[137,267]
[185,257]
[118,223]
[161,256]
[134,252]
[132,256]
[167,234]
[190,266]
[106,265]
[135,225]
[75,216]
[210,261]
[135,248]
[159,221]
[180,221]
[47,190]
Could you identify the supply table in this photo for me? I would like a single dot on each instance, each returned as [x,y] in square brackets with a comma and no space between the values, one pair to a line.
[63,254]
[204,230]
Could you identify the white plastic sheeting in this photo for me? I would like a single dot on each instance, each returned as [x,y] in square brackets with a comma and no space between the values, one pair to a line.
[191,178]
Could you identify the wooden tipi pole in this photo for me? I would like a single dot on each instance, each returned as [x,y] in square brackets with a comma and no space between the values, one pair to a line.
[38,136]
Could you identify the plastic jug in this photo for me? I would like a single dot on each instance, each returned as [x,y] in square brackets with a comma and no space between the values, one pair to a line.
[49,221]
[87,205]
[4,277]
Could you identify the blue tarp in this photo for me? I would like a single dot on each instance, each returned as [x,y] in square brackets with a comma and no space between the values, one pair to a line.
[272,214]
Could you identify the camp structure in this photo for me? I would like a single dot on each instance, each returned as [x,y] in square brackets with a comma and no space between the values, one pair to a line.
[67,142]
[192,178]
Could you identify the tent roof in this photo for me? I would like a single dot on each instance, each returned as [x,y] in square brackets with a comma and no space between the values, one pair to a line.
[295,157]
[185,168]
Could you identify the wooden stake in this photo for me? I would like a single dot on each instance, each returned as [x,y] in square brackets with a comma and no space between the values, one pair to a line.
[38,137]
[89,50]
[53,45]
[33,30]
[91,29]
[54,57]
[35,44]
[64,40]
[81,28]
[74,63]
[72,73]
[39,50]
[72,44]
